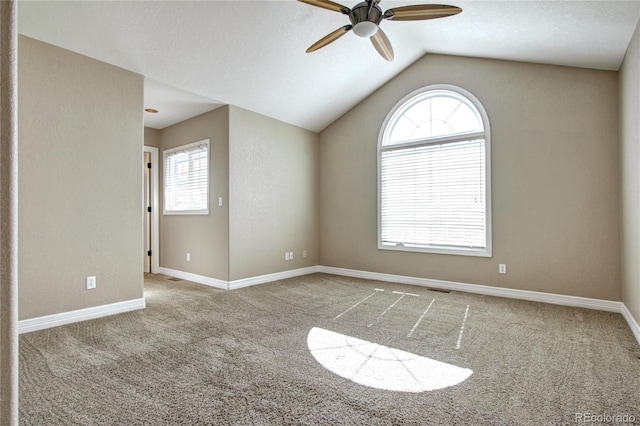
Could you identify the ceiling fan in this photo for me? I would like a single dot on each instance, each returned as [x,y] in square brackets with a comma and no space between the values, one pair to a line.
[365,19]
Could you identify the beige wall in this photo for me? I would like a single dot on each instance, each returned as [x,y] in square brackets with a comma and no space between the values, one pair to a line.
[555,183]
[205,237]
[151,137]
[273,188]
[554,170]
[630,175]
[80,181]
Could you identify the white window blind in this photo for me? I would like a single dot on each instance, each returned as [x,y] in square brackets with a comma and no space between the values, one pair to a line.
[433,195]
[186,179]
[433,176]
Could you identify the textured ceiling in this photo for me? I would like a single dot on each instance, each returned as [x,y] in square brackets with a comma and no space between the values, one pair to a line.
[252,53]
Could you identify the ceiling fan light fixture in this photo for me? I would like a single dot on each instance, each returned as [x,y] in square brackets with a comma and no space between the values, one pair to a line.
[366,17]
[365,29]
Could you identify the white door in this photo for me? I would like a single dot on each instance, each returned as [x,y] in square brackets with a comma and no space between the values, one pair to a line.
[146,205]
[151,232]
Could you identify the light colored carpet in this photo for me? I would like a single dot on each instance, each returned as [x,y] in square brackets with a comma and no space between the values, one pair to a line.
[201,356]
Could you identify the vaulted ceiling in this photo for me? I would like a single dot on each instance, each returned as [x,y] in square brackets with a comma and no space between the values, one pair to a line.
[198,55]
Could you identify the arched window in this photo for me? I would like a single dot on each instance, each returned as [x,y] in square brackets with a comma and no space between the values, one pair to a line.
[434,174]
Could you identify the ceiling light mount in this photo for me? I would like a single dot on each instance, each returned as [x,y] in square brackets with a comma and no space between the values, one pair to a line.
[365,18]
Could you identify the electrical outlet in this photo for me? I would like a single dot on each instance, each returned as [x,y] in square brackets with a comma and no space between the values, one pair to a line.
[286,256]
[502,268]
[188,257]
[304,254]
[91,283]
[290,255]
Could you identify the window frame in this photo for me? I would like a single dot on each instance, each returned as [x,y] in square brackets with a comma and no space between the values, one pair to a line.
[410,99]
[165,155]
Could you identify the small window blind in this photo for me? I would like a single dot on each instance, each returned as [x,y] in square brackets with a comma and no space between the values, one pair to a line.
[186,179]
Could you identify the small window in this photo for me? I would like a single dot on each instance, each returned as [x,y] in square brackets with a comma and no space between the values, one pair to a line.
[186,179]
[434,174]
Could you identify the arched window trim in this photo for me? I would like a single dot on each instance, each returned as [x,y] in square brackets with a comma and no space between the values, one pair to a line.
[393,115]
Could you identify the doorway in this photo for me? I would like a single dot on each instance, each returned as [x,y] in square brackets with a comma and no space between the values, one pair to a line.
[151,231]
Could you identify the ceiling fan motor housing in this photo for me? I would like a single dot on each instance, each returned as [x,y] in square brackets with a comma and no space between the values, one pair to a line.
[365,18]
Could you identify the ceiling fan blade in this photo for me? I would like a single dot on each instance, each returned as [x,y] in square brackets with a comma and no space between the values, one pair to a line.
[329,38]
[382,44]
[419,12]
[326,4]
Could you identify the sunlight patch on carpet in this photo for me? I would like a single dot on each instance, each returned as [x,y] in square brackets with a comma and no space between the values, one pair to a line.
[381,367]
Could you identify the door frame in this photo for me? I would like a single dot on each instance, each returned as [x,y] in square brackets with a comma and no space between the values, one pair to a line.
[155,216]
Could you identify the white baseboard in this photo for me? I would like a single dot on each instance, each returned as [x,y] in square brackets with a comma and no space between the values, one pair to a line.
[48,321]
[55,320]
[200,279]
[261,279]
[533,296]
[236,284]
[633,324]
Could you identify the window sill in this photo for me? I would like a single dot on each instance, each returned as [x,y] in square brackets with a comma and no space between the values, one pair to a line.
[186,213]
[437,250]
